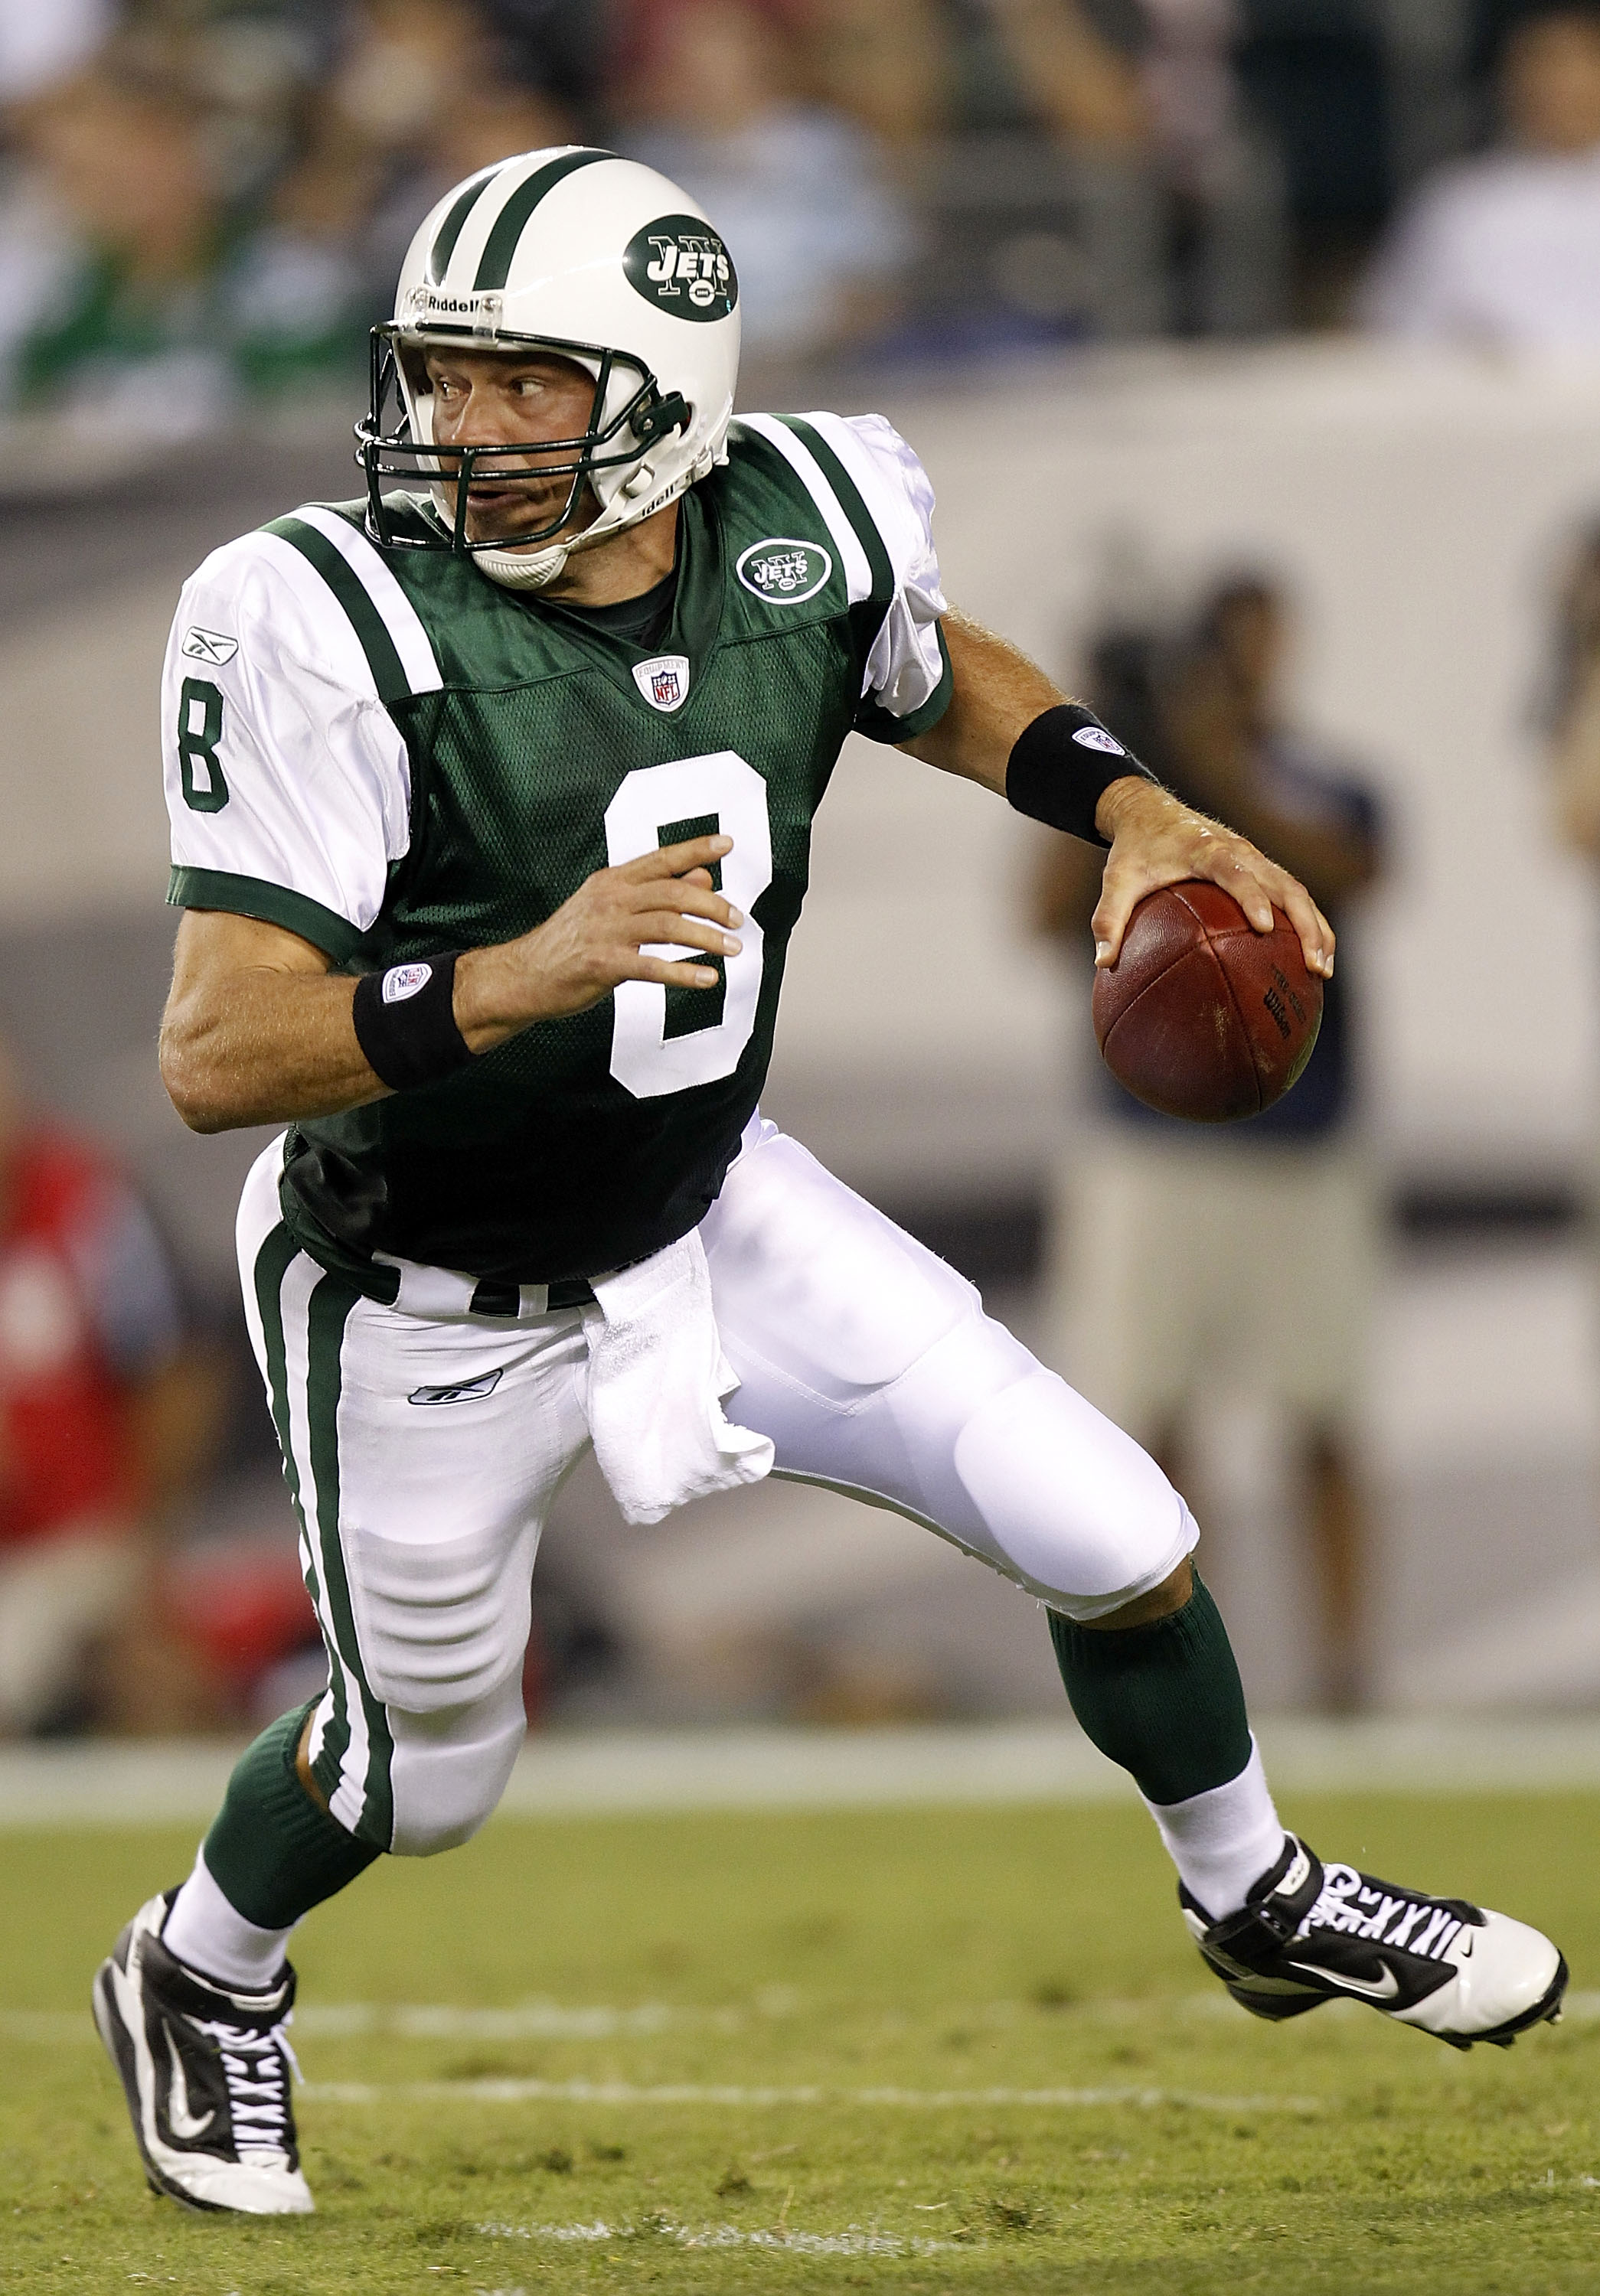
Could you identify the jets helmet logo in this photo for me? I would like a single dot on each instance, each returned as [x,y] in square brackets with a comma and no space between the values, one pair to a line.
[679,264]
[784,572]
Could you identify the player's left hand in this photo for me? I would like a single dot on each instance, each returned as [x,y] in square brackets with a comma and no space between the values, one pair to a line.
[1157,839]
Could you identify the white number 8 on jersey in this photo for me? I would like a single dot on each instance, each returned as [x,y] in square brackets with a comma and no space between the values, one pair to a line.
[644,1058]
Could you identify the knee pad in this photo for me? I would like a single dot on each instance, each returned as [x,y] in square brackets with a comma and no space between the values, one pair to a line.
[450,1766]
[1083,1517]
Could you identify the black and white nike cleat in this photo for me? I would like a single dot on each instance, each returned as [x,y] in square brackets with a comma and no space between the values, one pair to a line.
[1310,1933]
[206,2070]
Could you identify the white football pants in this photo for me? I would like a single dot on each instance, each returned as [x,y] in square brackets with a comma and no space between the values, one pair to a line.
[423,1452]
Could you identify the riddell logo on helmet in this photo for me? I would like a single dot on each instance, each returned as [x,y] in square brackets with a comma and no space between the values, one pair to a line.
[679,264]
[423,303]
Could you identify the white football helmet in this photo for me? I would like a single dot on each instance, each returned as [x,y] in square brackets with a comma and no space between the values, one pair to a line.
[603,262]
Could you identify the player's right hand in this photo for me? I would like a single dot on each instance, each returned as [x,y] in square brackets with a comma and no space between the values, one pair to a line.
[629,923]
[1157,839]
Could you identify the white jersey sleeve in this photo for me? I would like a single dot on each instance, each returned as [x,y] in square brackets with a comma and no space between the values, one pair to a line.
[906,666]
[287,780]
[878,502]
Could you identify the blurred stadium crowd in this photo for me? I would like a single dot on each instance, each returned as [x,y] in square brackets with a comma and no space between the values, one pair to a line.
[206,199]
[203,206]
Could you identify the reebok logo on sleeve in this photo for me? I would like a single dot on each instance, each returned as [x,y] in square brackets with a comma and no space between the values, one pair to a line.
[214,646]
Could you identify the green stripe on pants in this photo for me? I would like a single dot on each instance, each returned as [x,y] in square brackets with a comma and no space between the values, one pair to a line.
[329,1310]
[277,1255]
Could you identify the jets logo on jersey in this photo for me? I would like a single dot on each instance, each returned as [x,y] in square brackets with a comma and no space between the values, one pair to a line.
[210,645]
[664,682]
[784,572]
[680,264]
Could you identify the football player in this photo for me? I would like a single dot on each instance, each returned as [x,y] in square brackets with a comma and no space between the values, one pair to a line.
[491,797]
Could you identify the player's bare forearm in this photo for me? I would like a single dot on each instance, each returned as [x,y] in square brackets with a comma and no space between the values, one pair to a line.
[259,1027]
[996,693]
[1155,839]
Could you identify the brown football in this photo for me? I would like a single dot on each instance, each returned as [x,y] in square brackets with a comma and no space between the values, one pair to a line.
[1201,1016]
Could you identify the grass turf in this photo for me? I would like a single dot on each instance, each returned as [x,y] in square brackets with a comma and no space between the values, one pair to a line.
[946,1954]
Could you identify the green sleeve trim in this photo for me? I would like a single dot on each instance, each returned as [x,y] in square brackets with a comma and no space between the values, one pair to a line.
[850,503]
[388,675]
[274,905]
[880,725]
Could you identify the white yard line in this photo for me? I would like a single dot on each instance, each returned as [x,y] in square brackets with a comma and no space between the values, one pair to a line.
[679,2093]
[855,2242]
[553,2021]
[527,2021]
[614,1772]
[337,2020]
[524,2020]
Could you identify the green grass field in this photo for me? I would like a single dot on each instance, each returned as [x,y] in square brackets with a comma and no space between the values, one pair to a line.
[798,2053]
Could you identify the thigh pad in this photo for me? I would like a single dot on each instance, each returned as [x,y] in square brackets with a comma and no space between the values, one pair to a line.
[819,1284]
[439,1623]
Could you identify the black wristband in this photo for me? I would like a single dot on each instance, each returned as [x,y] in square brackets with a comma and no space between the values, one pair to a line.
[405,1022]
[1062,766]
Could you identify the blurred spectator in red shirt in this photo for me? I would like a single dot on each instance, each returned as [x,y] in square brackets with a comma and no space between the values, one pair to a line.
[1506,249]
[105,1416]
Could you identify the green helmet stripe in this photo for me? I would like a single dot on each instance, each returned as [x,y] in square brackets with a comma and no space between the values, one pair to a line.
[494,263]
[449,231]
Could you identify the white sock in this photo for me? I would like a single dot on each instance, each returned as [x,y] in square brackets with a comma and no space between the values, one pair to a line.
[1223,1840]
[207,1935]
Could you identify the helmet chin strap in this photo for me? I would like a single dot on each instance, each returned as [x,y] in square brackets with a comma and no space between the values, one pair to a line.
[515,569]
[535,569]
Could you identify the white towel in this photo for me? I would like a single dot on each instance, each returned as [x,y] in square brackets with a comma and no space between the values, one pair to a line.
[657,1378]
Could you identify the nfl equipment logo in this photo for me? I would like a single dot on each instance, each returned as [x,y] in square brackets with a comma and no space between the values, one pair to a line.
[404,980]
[664,682]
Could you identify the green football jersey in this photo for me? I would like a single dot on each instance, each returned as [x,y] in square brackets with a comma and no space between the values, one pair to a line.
[386,752]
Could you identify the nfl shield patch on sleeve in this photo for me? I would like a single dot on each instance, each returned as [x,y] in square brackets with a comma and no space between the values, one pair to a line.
[664,682]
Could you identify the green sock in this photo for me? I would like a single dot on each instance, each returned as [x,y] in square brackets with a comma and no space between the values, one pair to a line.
[271,1851]
[1164,1701]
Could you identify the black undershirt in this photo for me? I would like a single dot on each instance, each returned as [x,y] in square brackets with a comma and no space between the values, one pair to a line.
[643,620]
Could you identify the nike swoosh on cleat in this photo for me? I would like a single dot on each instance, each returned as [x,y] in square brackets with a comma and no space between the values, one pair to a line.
[182,2121]
[1388,1990]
